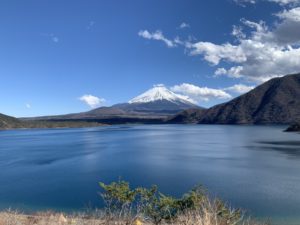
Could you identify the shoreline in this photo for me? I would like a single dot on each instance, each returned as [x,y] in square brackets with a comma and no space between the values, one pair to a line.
[94,124]
[56,125]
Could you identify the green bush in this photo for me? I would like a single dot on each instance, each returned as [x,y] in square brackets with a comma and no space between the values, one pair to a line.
[193,199]
[118,197]
[231,216]
[122,201]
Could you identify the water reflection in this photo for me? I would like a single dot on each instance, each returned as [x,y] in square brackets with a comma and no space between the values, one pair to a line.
[290,148]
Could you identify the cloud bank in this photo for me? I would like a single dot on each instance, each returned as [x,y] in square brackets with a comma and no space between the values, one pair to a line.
[280,2]
[200,93]
[257,53]
[205,94]
[262,54]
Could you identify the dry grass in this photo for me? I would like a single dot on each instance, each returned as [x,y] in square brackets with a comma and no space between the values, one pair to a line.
[50,218]
[47,218]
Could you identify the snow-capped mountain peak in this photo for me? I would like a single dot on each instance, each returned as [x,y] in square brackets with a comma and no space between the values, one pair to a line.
[160,92]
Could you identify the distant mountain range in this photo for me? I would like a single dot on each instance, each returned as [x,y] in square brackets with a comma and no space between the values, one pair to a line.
[153,106]
[274,102]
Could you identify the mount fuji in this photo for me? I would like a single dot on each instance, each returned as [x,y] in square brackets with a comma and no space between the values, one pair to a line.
[155,104]
[158,101]
[159,93]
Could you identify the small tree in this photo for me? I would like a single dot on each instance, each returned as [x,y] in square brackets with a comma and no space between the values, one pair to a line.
[194,199]
[118,198]
[157,206]
[229,216]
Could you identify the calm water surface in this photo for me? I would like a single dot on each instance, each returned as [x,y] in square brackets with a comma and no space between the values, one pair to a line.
[253,167]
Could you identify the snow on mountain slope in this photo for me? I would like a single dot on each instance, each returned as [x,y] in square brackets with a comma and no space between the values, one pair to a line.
[159,93]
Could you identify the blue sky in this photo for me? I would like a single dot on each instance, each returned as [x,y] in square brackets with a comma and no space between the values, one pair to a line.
[54,52]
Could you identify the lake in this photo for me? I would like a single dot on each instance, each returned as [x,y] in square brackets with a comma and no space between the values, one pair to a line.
[256,168]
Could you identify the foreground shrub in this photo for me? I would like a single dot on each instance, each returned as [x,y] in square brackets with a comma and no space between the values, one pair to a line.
[121,201]
[118,198]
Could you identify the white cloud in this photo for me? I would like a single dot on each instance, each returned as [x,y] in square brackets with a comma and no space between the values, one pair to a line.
[220,71]
[239,88]
[263,54]
[184,25]
[244,2]
[285,2]
[258,52]
[280,2]
[288,31]
[92,101]
[233,72]
[27,105]
[237,32]
[215,53]
[158,36]
[200,93]
[291,15]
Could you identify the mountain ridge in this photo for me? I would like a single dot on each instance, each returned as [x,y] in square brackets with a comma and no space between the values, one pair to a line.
[153,106]
[273,102]
[276,101]
[8,122]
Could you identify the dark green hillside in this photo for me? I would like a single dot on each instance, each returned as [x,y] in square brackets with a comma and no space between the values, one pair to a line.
[275,102]
[8,122]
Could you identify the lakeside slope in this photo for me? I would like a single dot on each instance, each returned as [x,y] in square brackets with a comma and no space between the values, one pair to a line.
[274,102]
[8,122]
